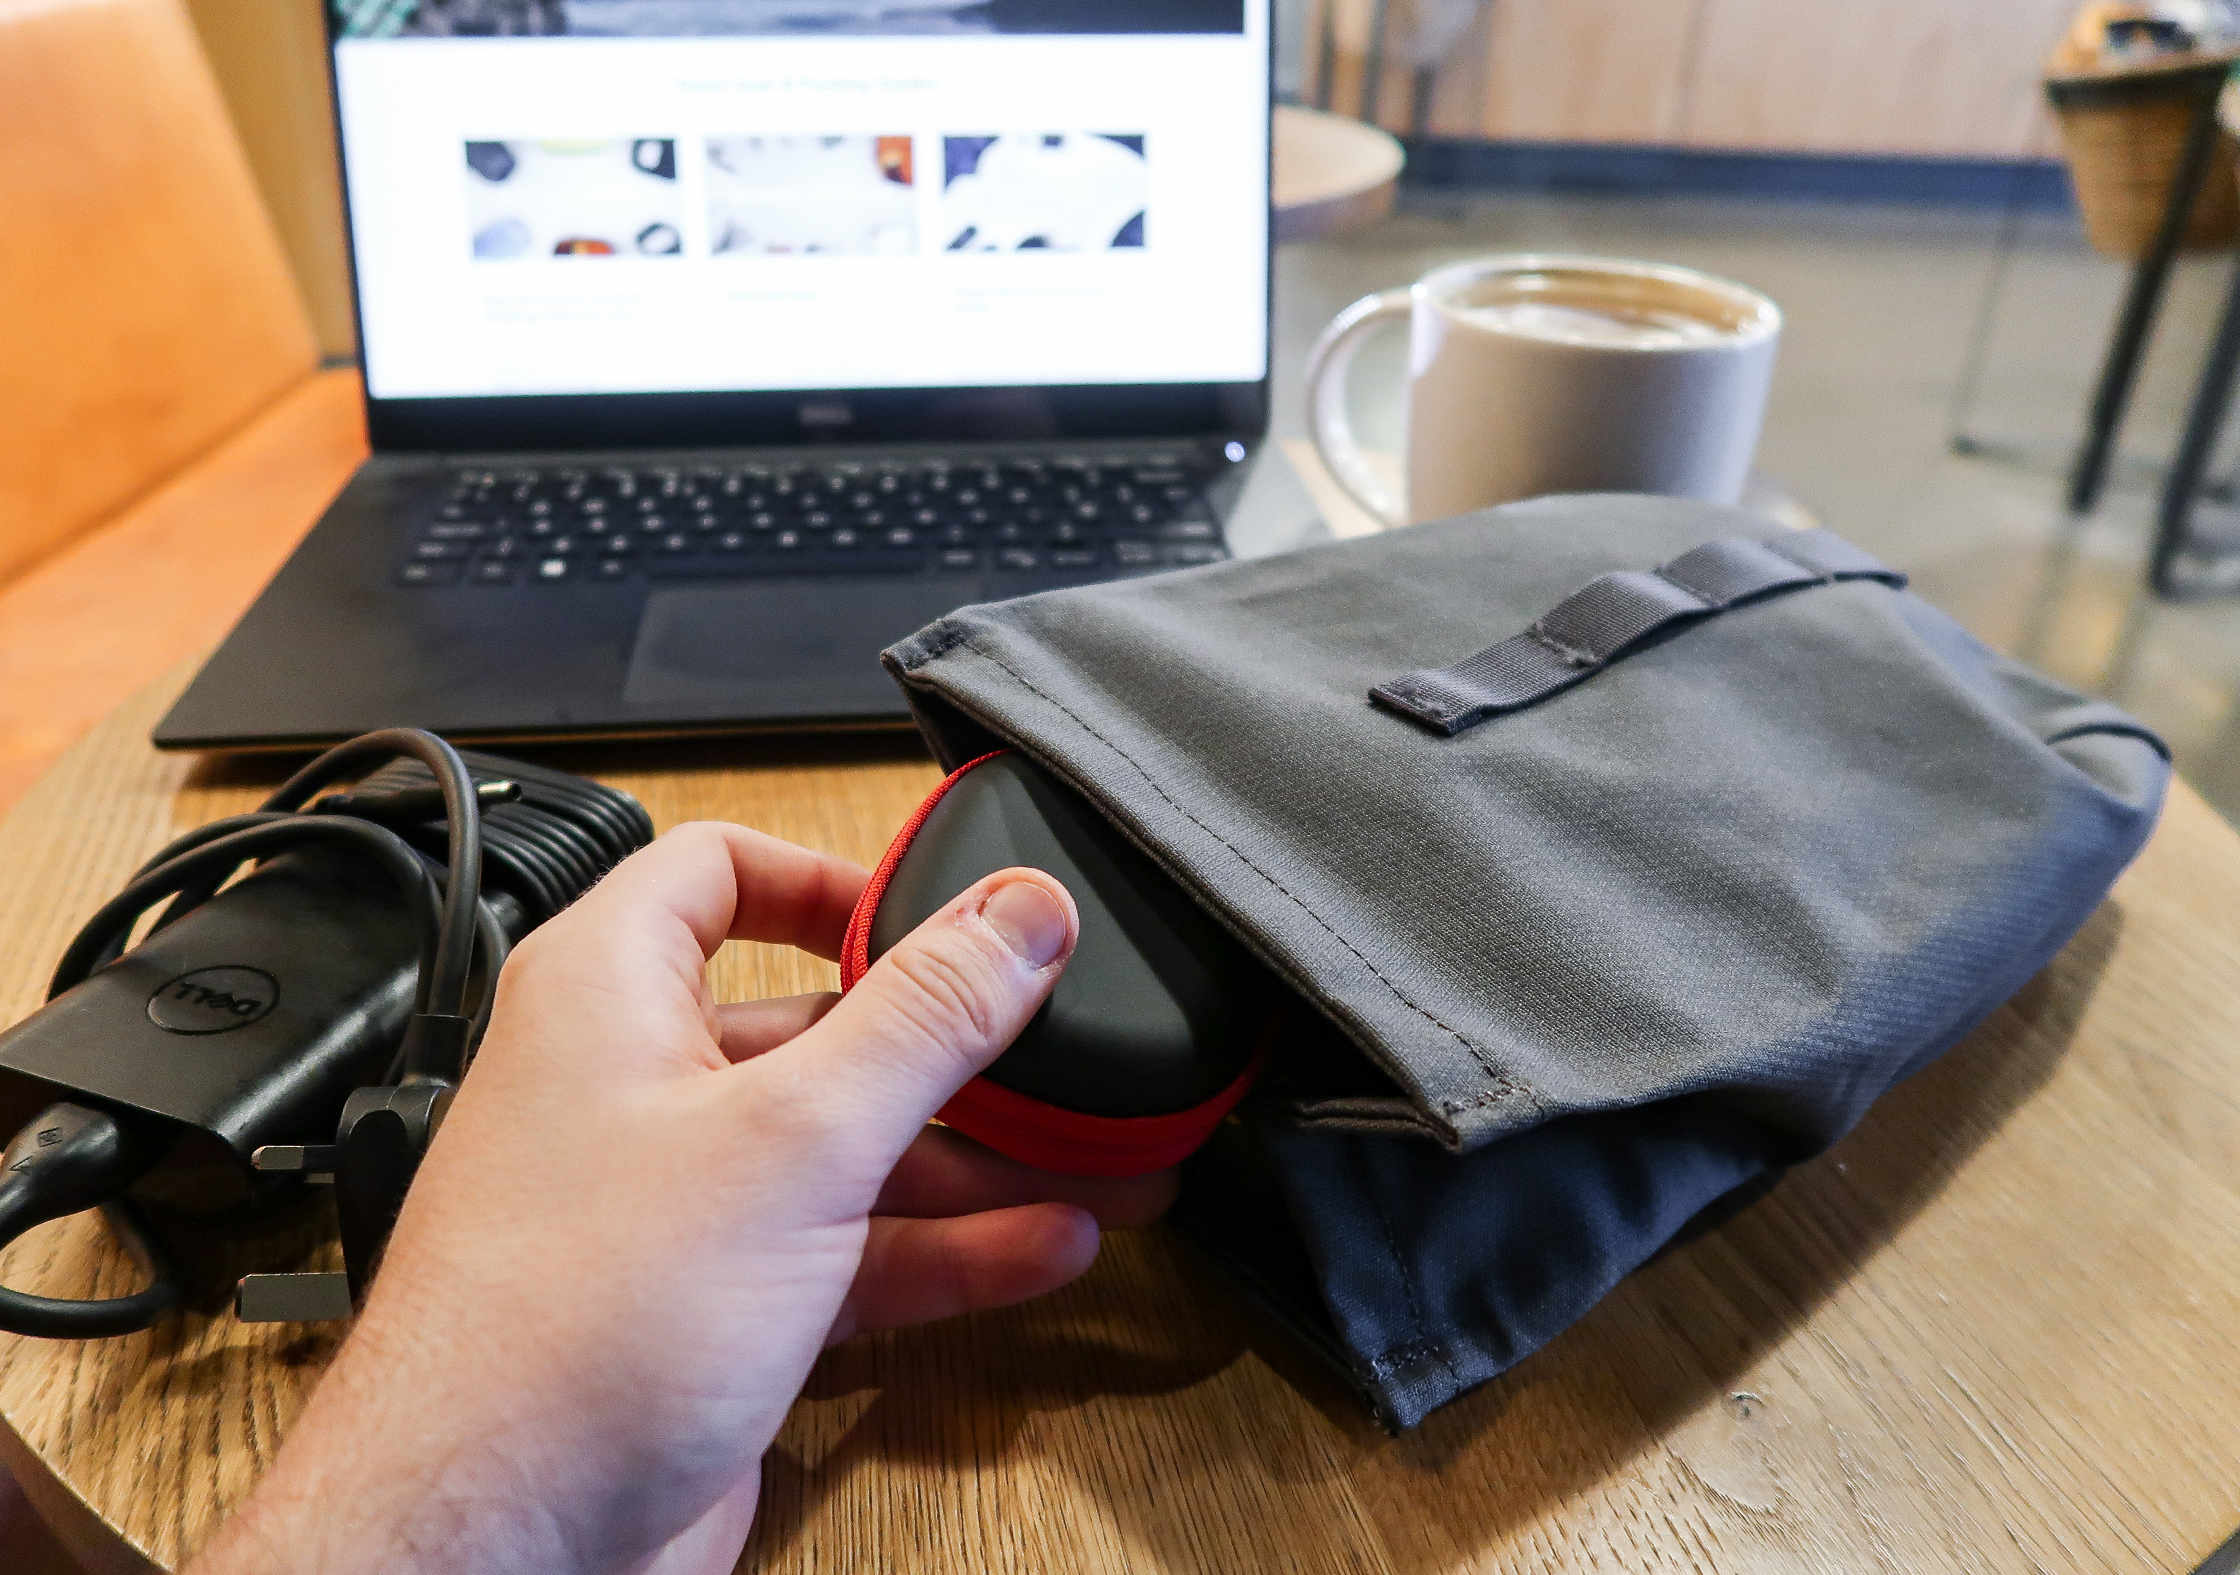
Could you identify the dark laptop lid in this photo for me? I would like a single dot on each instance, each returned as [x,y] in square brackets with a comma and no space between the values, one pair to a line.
[641,223]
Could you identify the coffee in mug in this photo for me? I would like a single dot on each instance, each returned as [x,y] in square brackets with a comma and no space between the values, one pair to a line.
[1531,374]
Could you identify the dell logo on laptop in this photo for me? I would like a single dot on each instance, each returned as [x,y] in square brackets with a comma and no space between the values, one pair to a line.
[827,415]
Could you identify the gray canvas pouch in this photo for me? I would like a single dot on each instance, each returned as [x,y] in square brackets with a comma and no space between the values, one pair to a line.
[1626,848]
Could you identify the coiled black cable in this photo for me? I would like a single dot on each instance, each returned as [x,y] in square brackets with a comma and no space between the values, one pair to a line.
[76,1155]
[199,871]
[434,821]
[543,847]
[547,846]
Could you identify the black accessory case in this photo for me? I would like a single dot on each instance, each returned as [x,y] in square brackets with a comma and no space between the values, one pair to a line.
[1157,1027]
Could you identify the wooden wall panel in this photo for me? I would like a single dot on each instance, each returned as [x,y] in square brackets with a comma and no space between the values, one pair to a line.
[1338,53]
[1458,95]
[1587,70]
[1872,76]
[270,59]
[1949,77]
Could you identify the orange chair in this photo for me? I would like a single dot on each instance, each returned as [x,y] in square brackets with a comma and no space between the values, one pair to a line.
[166,434]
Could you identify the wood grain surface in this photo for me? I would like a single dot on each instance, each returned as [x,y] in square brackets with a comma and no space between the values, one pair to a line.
[1998,1328]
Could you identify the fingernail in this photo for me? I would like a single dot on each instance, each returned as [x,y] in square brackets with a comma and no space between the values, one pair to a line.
[1030,921]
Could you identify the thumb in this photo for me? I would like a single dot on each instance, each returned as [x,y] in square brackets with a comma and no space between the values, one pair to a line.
[938,1007]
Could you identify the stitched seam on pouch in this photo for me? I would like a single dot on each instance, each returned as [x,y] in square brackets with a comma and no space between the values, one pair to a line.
[1569,653]
[1455,1107]
[1423,1341]
[1405,1354]
[1682,585]
[950,637]
[1504,1084]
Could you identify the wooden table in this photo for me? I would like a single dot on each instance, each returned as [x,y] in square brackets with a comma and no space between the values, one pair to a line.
[1996,1329]
[1331,173]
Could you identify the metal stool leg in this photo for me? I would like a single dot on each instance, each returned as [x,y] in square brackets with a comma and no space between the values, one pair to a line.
[2212,399]
[2121,369]
[1970,381]
[1419,112]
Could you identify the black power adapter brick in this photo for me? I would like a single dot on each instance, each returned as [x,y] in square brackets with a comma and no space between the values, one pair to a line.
[307,1022]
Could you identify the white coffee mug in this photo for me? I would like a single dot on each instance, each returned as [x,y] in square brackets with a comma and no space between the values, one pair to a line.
[1532,374]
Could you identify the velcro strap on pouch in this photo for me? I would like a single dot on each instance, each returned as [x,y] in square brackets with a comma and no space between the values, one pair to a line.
[1613,613]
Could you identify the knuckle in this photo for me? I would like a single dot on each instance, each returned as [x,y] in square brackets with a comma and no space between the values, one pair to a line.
[701,841]
[529,954]
[711,832]
[950,992]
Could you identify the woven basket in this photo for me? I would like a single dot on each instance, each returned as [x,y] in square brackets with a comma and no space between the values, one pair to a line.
[2123,133]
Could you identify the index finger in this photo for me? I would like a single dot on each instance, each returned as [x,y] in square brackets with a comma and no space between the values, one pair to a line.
[726,882]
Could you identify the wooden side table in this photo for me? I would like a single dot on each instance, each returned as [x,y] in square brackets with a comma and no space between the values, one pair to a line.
[1997,1328]
[1332,173]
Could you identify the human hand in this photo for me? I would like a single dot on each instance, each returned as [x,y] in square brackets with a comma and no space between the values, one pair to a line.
[647,1213]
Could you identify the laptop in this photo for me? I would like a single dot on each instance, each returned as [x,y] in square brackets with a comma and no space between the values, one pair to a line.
[710,346]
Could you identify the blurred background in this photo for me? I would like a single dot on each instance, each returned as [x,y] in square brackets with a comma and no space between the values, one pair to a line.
[1893,173]
[1890,171]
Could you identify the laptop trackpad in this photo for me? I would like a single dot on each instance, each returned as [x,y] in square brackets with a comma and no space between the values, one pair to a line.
[781,648]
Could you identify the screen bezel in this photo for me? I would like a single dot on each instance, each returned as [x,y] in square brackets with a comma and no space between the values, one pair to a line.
[775,418]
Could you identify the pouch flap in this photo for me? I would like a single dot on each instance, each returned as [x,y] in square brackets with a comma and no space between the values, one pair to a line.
[1781,856]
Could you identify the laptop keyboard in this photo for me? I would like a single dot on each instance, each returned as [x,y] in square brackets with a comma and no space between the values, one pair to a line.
[574,524]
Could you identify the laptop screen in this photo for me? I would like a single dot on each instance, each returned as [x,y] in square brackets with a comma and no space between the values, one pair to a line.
[614,197]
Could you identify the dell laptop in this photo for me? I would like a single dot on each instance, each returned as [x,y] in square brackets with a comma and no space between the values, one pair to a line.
[711,346]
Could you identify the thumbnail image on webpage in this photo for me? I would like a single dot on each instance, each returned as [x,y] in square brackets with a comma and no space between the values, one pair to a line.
[778,195]
[732,18]
[1047,191]
[597,197]
[816,195]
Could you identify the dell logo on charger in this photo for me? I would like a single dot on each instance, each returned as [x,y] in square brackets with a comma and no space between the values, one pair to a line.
[213,1000]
